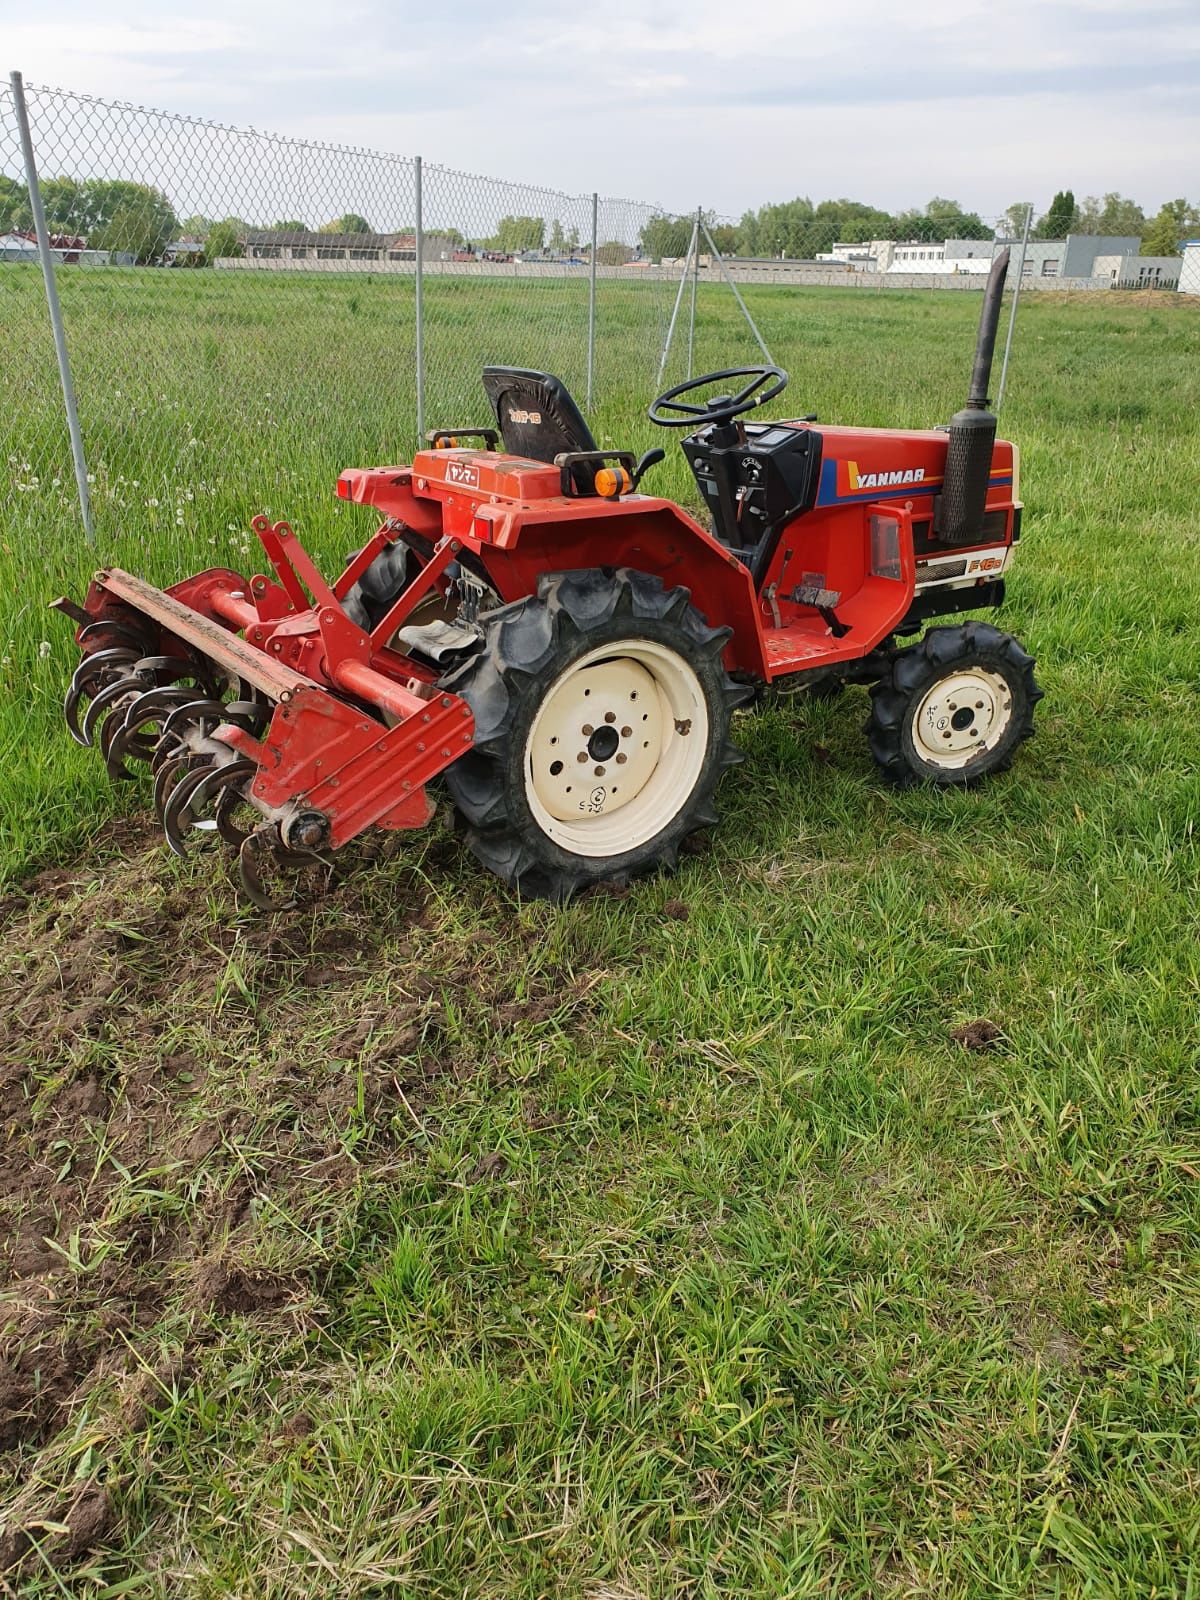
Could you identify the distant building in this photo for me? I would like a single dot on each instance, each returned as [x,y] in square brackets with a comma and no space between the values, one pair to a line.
[17,247]
[1073,257]
[21,245]
[183,252]
[1138,271]
[1189,267]
[297,247]
[1079,255]
[862,257]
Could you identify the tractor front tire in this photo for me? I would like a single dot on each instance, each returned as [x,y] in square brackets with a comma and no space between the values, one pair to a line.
[952,709]
[602,712]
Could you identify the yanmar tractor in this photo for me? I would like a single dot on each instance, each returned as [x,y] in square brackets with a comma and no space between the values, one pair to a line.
[563,650]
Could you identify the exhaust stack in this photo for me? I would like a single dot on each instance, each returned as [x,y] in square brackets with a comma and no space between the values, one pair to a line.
[960,508]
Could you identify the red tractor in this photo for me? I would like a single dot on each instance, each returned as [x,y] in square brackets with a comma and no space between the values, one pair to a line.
[564,650]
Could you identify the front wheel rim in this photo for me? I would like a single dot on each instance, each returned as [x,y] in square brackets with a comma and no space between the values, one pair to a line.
[616,748]
[961,716]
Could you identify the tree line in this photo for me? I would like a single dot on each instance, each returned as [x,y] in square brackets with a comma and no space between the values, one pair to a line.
[139,220]
[801,230]
[108,213]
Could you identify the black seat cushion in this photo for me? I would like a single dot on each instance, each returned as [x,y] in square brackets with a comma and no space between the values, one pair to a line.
[535,413]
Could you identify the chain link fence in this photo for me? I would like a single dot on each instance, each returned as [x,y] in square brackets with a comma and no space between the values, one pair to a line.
[230,296]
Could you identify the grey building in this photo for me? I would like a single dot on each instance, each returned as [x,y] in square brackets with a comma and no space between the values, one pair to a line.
[1072,257]
[296,247]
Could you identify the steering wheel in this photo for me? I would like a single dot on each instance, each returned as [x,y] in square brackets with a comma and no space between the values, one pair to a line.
[722,407]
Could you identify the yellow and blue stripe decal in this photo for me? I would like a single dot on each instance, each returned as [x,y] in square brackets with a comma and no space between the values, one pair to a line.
[841,480]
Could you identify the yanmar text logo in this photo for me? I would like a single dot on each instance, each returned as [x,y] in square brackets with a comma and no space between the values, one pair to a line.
[855,481]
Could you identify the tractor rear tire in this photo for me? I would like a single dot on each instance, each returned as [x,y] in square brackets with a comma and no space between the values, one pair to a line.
[952,709]
[602,712]
[369,600]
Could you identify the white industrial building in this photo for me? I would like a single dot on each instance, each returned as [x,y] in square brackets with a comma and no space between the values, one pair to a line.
[1189,270]
[1096,259]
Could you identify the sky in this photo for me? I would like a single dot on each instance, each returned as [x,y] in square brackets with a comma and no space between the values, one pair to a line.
[680,102]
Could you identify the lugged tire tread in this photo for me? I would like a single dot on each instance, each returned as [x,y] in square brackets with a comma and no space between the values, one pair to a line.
[524,644]
[912,672]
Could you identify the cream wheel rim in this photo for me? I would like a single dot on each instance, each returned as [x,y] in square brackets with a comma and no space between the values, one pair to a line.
[616,748]
[962,715]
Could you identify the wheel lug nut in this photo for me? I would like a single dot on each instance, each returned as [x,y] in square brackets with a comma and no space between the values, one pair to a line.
[588,730]
[582,756]
[626,733]
[622,759]
[610,716]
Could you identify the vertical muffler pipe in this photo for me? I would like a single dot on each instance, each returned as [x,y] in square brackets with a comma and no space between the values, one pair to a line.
[961,505]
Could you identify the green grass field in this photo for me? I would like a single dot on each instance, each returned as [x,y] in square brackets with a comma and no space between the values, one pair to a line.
[426,1244]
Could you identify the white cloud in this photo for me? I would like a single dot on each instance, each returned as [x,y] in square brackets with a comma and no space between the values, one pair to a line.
[683,100]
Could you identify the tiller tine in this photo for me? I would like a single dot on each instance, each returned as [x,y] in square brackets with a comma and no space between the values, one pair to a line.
[273,877]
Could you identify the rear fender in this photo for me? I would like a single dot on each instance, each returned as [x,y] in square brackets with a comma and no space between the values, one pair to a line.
[390,491]
[660,540]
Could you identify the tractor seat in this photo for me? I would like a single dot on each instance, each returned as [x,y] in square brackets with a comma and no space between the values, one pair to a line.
[536,415]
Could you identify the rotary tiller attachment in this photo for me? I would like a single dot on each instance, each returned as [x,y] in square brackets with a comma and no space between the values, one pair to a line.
[278,726]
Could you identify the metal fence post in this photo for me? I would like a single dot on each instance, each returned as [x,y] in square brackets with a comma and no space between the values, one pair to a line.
[56,322]
[1012,314]
[695,281]
[591,359]
[420,244]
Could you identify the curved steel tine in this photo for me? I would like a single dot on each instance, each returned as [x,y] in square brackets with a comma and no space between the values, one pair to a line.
[249,693]
[108,696]
[116,655]
[252,715]
[123,743]
[71,701]
[149,706]
[92,672]
[212,679]
[230,796]
[112,729]
[207,796]
[254,848]
[163,751]
[165,778]
[139,642]
[177,812]
[194,711]
[128,739]
[168,669]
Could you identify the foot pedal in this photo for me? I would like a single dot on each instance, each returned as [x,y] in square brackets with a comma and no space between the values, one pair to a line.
[439,642]
[822,601]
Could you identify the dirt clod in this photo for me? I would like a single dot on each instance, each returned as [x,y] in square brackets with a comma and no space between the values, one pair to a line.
[492,1165]
[89,1519]
[220,1287]
[982,1034]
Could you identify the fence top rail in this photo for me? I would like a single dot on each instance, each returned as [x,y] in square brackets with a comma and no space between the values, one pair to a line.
[264,135]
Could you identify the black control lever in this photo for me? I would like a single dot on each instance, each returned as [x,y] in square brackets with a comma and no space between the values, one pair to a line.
[650,459]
